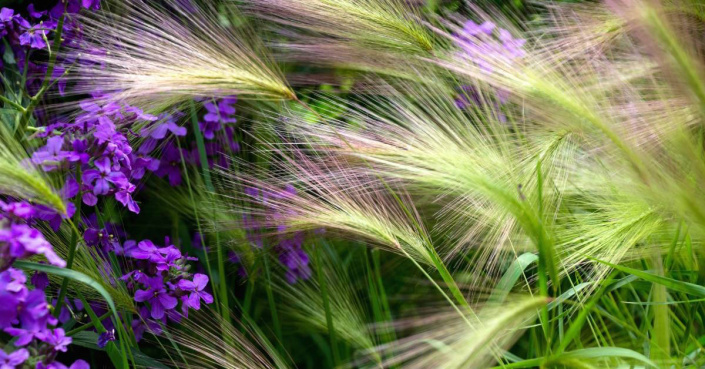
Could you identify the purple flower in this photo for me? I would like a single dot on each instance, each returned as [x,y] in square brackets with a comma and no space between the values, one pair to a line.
[35,36]
[145,250]
[216,115]
[106,337]
[6,15]
[34,316]
[294,258]
[157,296]
[40,280]
[170,165]
[35,14]
[142,163]
[13,291]
[473,29]
[14,359]
[102,178]
[91,4]
[196,289]
[144,324]
[18,210]
[160,130]
[20,241]
[56,339]
[479,44]
[124,196]
[52,155]
[78,364]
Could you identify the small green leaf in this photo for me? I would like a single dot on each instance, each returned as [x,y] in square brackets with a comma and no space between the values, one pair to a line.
[510,277]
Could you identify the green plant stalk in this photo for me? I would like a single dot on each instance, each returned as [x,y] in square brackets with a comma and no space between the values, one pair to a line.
[34,100]
[384,302]
[197,218]
[577,324]
[91,324]
[545,257]
[661,336]
[101,329]
[73,245]
[200,144]
[326,305]
[15,105]
[271,302]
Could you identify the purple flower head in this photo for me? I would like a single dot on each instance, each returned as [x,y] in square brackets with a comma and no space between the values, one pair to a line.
[196,291]
[6,15]
[480,44]
[294,258]
[78,364]
[56,338]
[13,292]
[159,130]
[170,165]
[40,280]
[144,324]
[33,13]
[102,178]
[14,359]
[106,337]
[35,36]
[158,297]
[34,316]
[473,29]
[142,163]
[21,241]
[52,155]
[216,115]
[16,210]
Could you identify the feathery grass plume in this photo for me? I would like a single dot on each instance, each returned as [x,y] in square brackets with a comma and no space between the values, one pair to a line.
[578,29]
[383,36]
[206,340]
[669,34]
[306,306]
[19,177]
[335,199]
[442,339]
[481,175]
[147,53]
[378,24]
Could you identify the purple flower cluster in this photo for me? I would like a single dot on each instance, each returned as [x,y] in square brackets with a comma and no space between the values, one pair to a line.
[217,129]
[95,144]
[470,97]
[479,43]
[35,32]
[18,240]
[289,246]
[24,313]
[161,283]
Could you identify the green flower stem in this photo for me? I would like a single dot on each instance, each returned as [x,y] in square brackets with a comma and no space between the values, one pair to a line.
[91,324]
[46,83]
[73,245]
[222,284]
[326,305]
